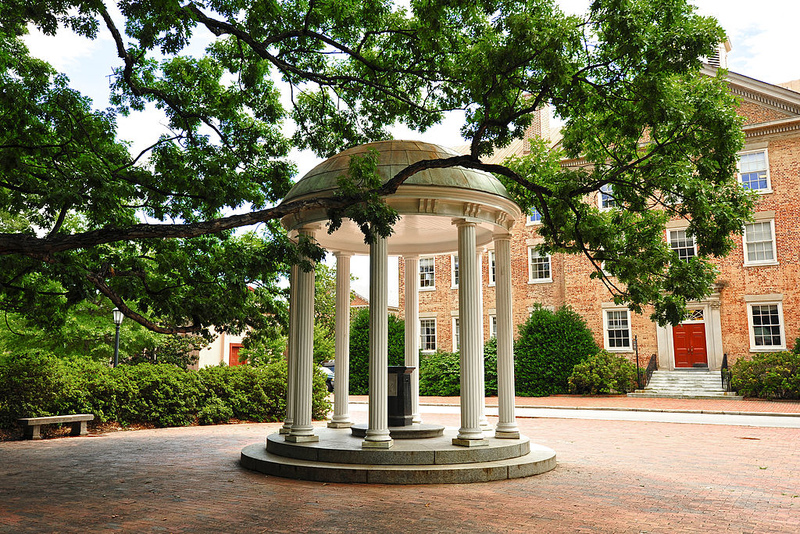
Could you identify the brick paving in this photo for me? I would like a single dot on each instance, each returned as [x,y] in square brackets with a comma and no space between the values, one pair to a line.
[613,476]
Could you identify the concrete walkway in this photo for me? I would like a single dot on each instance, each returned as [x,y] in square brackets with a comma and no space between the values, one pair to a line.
[622,402]
[612,477]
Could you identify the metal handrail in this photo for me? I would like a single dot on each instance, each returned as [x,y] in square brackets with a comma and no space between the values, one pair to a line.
[725,374]
[652,366]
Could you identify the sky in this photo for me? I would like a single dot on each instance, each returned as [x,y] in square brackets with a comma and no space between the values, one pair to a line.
[763,36]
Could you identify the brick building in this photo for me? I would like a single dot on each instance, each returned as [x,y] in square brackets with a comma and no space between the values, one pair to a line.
[755,306]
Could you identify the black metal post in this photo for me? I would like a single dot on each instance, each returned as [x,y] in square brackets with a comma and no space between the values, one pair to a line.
[116,348]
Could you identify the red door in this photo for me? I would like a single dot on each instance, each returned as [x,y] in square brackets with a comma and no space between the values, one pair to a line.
[234,357]
[690,345]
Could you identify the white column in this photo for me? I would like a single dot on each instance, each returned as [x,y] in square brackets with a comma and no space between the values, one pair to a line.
[412,330]
[469,317]
[341,384]
[377,435]
[507,425]
[484,422]
[291,355]
[302,430]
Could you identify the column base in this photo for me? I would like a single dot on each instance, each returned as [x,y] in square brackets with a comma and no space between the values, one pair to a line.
[340,424]
[377,444]
[485,425]
[470,442]
[284,430]
[506,434]
[302,439]
[416,419]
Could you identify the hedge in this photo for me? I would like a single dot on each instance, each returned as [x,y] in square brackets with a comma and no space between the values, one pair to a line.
[37,384]
[603,373]
[359,349]
[770,375]
[440,372]
[550,344]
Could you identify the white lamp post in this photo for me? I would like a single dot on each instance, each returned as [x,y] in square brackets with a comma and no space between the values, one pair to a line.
[117,321]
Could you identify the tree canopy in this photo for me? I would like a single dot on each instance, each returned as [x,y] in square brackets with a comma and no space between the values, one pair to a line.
[154,231]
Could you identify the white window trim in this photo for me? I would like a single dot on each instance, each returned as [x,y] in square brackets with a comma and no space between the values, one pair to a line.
[609,190]
[428,288]
[766,162]
[681,229]
[492,321]
[454,336]
[435,335]
[531,279]
[750,302]
[529,222]
[492,273]
[629,348]
[774,260]
[453,282]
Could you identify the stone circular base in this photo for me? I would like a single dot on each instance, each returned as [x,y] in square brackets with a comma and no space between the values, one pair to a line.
[415,431]
[338,457]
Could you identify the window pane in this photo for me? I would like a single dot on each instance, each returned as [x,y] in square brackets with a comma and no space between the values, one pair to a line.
[618,331]
[682,243]
[455,270]
[766,325]
[753,170]
[426,272]
[540,266]
[535,216]
[758,241]
[607,201]
[427,334]
[491,267]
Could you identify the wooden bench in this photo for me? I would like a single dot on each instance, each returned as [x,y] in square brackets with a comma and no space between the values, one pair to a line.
[78,422]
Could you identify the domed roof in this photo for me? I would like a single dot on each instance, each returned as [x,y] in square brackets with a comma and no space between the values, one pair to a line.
[394,156]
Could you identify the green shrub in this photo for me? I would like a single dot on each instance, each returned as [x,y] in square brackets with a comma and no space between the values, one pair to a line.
[771,375]
[490,366]
[34,384]
[550,344]
[440,372]
[30,386]
[359,349]
[603,373]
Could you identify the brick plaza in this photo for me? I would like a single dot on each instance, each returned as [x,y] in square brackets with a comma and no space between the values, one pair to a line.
[613,476]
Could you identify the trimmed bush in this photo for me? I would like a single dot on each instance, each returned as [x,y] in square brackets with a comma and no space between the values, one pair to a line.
[603,373]
[440,372]
[35,384]
[359,349]
[550,344]
[771,375]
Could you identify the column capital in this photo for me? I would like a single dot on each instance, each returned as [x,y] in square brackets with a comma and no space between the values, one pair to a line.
[342,254]
[410,257]
[463,221]
[501,236]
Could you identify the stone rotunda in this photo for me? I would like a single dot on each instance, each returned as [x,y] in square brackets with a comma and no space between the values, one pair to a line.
[441,210]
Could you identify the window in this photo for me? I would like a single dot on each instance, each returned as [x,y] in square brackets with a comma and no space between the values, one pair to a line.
[683,244]
[492,268]
[454,270]
[493,326]
[427,279]
[456,335]
[759,243]
[753,171]
[617,330]
[766,326]
[535,217]
[427,335]
[538,266]
[605,198]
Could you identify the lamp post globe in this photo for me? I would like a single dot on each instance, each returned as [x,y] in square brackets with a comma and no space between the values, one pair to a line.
[117,321]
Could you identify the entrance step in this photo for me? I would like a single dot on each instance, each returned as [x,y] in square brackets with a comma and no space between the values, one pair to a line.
[685,384]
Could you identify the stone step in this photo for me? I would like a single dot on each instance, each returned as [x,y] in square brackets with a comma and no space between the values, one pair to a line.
[685,384]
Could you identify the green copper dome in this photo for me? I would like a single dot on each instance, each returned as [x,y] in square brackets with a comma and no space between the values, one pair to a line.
[394,156]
